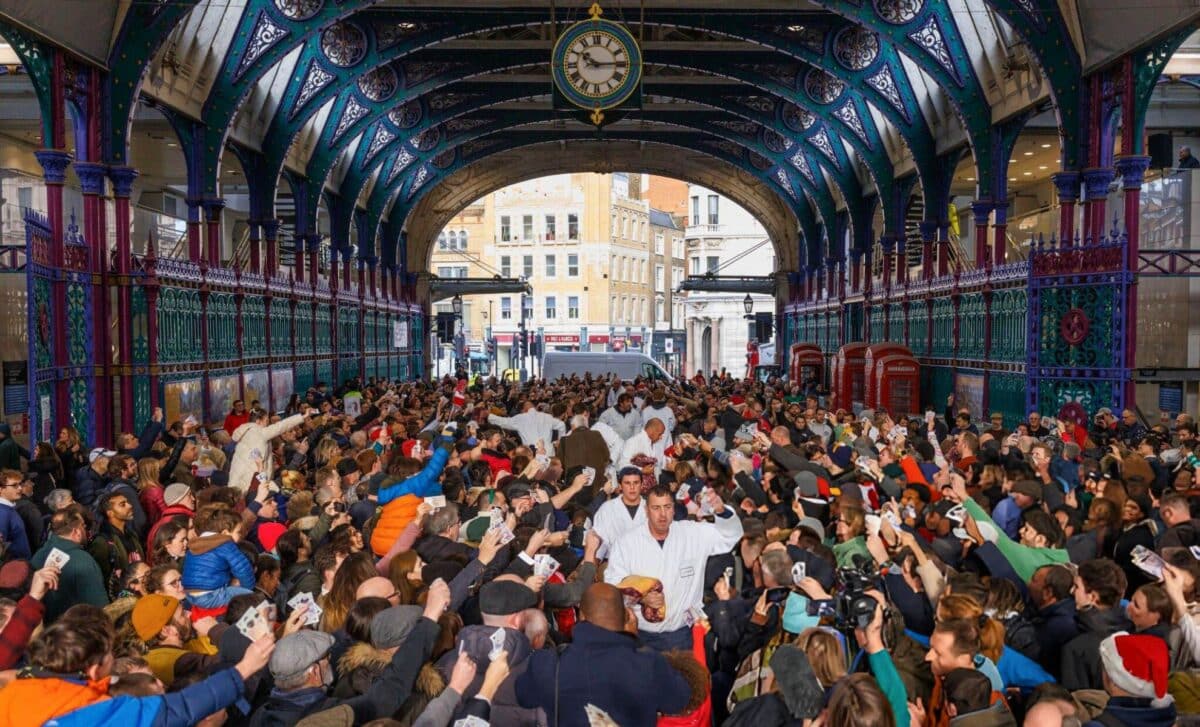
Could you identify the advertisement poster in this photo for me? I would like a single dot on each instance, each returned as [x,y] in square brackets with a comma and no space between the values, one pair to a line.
[968,392]
[45,418]
[257,385]
[181,398]
[222,392]
[281,388]
[400,335]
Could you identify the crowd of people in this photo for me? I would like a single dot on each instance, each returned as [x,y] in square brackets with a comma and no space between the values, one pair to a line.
[595,552]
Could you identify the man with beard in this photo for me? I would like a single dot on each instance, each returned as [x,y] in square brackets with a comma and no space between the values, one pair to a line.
[174,651]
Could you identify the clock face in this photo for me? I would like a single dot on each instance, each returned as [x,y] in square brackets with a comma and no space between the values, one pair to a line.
[597,64]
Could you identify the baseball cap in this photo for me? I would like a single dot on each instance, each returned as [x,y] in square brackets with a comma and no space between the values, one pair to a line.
[99,452]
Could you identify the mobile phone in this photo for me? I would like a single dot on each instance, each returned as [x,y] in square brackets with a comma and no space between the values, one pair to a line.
[728,576]
[339,507]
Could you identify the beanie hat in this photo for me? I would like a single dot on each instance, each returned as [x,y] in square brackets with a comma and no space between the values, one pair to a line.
[269,534]
[152,613]
[174,494]
[1137,664]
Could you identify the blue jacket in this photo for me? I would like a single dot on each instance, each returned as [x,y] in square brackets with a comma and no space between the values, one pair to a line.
[422,484]
[212,561]
[88,486]
[1018,670]
[1007,516]
[12,529]
[639,682]
[176,709]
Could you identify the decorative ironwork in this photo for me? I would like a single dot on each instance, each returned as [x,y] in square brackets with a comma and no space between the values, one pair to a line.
[728,147]
[848,115]
[427,139]
[1074,326]
[798,118]
[443,160]
[822,87]
[353,112]
[406,116]
[379,84]
[383,137]
[344,44]
[885,83]
[742,128]
[775,141]
[1054,260]
[825,146]
[799,161]
[315,79]
[762,104]
[299,9]
[418,181]
[389,34]
[929,37]
[898,12]
[265,35]
[759,161]
[475,146]
[403,158]
[449,99]
[785,182]
[855,47]
[460,125]
[785,75]
[418,72]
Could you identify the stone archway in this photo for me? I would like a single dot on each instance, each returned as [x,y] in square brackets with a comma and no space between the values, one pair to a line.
[462,188]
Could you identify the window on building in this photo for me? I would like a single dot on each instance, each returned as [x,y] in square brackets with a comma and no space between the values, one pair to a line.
[551,307]
[551,266]
[713,209]
[550,227]
[572,306]
[506,266]
[452,271]
[505,228]
[659,240]
[714,263]
[658,310]
[441,240]
[625,271]
[612,309]
[527,266]
[572,226]
[696,265]
[677,247]
[506,308]
[572,265]
[696,210]
[527,227]
[660,278]
[462,240]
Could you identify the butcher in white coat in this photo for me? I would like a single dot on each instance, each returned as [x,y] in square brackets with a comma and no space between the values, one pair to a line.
[621,514]
[675,553]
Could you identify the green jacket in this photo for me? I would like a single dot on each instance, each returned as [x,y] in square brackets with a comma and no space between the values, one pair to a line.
[80,581]
[1024,559]
[845,552]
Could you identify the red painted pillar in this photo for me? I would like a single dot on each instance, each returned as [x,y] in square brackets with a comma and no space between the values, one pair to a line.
[1000,234]
[256,247]
[333,267]
[943,247]
[314,262]
[212,216]
[372,263]
[270,232]
[981,210]
[1067,186]
[855,271]
[93,185]
[901,263]
[122,181]
[1095,185]
[346,266]
[888,243]
[1133,173]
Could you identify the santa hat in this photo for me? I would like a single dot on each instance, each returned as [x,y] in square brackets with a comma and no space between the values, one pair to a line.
[377,433]
[407,448]
[1138,665]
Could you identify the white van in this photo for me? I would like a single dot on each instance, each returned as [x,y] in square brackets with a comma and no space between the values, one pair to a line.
[627,365]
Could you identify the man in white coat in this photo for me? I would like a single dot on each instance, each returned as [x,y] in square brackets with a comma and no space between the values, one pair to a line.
[622,418]
[675,553]
[651,442]
[622,514]
[532,426]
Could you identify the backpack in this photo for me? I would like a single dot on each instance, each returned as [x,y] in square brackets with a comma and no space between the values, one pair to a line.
[287,589]
[753,672]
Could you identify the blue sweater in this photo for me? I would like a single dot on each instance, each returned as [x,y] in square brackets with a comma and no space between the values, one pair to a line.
[176,709]
[12,529]
[422,484]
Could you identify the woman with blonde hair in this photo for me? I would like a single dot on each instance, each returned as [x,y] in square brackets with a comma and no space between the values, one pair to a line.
[825,655]
[150,490]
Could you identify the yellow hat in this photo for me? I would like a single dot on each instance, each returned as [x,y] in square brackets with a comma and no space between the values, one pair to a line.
[152,613]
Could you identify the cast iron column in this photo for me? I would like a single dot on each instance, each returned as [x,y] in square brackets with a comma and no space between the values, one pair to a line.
[122,182]
[1133,173]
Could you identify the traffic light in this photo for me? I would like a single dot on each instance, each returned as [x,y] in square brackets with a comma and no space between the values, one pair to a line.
[491,348]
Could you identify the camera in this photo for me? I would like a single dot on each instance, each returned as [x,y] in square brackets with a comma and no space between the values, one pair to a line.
[853,607]
[339,507]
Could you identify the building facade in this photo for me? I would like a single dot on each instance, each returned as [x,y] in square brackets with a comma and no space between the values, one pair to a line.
[722,238]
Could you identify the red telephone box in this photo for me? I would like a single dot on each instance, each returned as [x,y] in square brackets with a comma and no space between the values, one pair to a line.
[848,375]
[806,362]
[898,381]
[874,354]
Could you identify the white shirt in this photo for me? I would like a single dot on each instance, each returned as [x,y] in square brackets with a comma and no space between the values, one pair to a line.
[612,521]
[532,426]
[625,425]
[641,444]
[612,439]
[662,413]
[678,563]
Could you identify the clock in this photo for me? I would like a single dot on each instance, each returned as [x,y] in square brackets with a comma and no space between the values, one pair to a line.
[596,64]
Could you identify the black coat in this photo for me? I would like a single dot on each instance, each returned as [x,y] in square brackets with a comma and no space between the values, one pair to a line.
[1141,534]
[637,682]
[1081,667]
[1055,627]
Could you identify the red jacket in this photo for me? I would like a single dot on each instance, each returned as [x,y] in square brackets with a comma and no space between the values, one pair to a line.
[152,502]
[498,462]
[16,634]
[233,421]
[167,514]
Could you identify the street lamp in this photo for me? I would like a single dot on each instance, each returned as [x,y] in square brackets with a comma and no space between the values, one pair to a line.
[748,304]
[456,305]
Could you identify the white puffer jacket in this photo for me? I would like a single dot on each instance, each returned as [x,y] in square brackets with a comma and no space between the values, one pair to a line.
[251,437]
